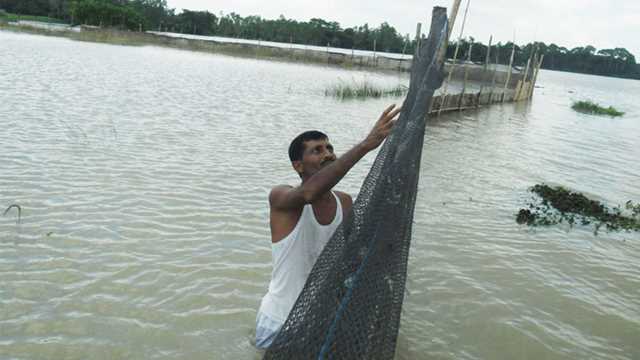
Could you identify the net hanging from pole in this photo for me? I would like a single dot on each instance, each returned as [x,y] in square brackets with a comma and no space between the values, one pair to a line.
[350,305]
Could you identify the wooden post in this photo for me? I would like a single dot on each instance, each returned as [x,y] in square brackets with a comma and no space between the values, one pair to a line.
[524,82]
[484,67]
[446,83]
[374,50]
[442,52]
[418,33]
[486,60]
[464,18]
[466,76]
[535,76]
[454,13]
[495,70]
[456,6]
[328,53]
[404,48]
[506,83]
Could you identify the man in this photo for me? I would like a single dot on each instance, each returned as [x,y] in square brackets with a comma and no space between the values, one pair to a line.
[303,218]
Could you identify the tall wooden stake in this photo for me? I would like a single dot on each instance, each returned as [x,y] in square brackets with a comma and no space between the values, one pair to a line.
[506,83]
[418,37]
[456,6]
[453,15]
[466,77]
[493,80]
[486,60]
[535,76]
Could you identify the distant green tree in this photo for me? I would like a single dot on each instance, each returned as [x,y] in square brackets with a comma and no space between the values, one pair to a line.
[106,13]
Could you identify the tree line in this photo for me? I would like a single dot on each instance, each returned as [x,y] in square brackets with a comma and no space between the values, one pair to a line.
[156,15]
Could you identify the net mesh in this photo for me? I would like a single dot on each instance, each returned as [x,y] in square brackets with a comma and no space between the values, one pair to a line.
[350,305]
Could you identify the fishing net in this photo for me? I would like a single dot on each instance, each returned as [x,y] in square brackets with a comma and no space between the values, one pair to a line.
[350,305]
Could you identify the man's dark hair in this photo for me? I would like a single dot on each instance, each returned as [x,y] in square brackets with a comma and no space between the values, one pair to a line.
[297,145]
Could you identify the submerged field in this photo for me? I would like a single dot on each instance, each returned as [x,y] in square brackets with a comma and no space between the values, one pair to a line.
[142,174]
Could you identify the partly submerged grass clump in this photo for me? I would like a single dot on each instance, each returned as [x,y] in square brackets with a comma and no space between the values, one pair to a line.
[590,107]
[556,205]
[363,90]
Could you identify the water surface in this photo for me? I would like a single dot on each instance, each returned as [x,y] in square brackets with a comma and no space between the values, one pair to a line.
[143,176]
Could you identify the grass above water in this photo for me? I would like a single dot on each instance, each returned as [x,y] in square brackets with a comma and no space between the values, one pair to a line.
[589,107]
[555,205]
[363,91]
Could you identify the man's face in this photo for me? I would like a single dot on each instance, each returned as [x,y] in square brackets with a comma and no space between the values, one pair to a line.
[317,154]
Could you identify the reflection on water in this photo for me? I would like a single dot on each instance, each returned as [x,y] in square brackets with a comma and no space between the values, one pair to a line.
[143,175]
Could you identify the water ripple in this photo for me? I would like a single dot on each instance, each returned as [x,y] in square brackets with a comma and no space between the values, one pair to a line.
[144,231]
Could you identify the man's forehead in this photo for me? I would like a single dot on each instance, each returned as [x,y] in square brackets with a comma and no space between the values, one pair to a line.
[309,144]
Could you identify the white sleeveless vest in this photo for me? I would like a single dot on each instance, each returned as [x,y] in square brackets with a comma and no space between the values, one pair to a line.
[293,257]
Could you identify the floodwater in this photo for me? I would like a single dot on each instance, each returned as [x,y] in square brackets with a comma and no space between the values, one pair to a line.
[143,174]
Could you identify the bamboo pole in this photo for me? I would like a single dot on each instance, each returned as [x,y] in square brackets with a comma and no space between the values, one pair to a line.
[451,20]
[404,47]
[528,74]
[452,17]
[466,77]
[535,76]
[506,83]
[327,53]
[456,6]
[486,60]
[524,82]
[442,54]
[484,67]
[418,37]
[493,80]
[374,51]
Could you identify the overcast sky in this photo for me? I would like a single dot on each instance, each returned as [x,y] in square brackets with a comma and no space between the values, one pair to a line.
[569,23]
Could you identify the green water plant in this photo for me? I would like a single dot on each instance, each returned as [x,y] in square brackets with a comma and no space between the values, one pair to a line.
[555,205]
[363,90]
[589,107]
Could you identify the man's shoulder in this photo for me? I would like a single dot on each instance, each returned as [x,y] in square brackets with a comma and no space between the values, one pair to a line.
[345,199]
[281,188]
[278,193]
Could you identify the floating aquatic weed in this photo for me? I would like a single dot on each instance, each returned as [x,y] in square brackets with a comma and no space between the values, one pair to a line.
[556,205]
[590,107]
[19,211]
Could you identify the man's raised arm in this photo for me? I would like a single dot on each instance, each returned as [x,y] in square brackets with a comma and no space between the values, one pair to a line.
[287,197]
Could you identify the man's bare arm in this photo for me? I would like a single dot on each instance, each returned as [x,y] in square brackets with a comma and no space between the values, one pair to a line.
[285,197]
